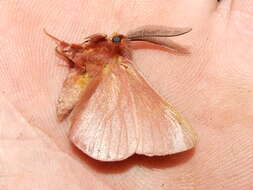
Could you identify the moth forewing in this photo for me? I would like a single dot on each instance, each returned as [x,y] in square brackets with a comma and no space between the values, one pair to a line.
[124,116]
[73,87]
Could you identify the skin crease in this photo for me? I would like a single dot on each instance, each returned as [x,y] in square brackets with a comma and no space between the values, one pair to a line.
[212,88]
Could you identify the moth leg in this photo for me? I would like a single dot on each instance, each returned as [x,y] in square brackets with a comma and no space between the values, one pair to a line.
[70,63]
[81,66]
[57,41]
[62,45]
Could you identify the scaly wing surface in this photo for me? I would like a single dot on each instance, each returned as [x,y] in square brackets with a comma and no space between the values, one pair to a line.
[124,115]
[74,86]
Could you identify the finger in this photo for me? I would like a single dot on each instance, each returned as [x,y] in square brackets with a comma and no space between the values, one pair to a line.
[236,18]
[232,5]
[242,16]
[238,15]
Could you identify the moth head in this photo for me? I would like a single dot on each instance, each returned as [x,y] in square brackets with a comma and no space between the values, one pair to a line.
[117,38]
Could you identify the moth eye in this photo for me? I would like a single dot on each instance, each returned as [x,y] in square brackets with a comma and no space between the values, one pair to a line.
[116,39]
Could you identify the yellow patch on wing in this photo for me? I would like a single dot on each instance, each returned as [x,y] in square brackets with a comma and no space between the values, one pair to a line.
[84,80]
[74,86]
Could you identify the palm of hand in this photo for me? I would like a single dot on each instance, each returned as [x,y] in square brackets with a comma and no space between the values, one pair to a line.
[214,93]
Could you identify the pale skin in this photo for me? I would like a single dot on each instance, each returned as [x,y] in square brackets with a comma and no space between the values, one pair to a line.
[212,87]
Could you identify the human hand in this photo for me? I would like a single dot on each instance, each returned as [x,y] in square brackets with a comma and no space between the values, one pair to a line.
[212,88]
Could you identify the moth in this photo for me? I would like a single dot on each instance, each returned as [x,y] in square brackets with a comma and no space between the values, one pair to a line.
[114,111]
